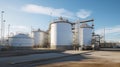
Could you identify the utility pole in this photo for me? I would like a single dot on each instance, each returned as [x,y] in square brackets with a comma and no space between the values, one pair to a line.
[105,31]
[104,35]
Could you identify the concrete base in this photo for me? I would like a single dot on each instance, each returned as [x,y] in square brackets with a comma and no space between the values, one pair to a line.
[61,47]
[86,48]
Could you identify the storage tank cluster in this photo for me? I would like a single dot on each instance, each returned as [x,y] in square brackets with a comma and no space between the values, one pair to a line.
[38,39]
[62,34]
[59,36]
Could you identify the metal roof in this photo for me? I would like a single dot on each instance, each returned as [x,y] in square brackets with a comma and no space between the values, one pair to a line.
[21,36]
[85,25]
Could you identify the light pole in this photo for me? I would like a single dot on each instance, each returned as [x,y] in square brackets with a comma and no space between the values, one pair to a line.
[2,27]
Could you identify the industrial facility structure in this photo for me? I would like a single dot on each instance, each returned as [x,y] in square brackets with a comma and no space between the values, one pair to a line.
[62,34]
[67,35]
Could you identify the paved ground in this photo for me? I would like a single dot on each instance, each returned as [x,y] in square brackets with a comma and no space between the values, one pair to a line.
[27,58]
[89,59]
[76,58]
[27,52]
[113,56]
[35,57]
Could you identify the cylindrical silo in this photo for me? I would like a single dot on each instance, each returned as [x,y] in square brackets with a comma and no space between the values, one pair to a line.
[21,40]
[85,36]
[39,38]
[60,34]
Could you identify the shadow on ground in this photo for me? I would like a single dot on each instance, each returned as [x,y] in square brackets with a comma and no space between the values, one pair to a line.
[21,52]
[77,57]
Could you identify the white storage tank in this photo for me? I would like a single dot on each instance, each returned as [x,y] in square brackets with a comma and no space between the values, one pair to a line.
[85,36]
[60,34]
[21,40]
[40,38]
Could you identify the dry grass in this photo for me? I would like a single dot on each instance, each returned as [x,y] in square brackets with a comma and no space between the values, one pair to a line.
[77,64]
[85,63]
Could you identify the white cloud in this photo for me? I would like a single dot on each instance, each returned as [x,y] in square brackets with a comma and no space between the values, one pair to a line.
[111,33]
[19,29]
[83,13]
[32,8]
[47,10]
[109,30]
[15,29]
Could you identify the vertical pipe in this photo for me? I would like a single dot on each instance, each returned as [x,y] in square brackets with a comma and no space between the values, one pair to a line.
[78,32]
[99,40]
[8,33]
[31,31]
[8,30]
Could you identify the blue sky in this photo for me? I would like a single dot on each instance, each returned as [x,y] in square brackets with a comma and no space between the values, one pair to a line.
[22,14]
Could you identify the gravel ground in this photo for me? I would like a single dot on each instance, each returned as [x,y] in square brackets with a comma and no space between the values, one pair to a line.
[76,64]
